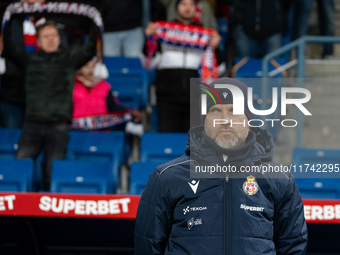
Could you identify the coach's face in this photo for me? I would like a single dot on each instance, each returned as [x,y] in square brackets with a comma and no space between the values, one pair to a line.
[226,135]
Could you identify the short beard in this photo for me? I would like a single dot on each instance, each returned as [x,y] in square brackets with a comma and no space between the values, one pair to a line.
[187,20]
[234,143]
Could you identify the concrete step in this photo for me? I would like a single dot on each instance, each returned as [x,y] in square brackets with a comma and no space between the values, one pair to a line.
[318,110]
[321,121]
[321,137]
[331,83]
[322,70]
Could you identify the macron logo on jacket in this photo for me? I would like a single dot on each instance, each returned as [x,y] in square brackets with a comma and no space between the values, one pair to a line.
[194,185]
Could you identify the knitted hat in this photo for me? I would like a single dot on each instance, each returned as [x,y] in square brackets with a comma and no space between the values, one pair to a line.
[229,98]
[178,1]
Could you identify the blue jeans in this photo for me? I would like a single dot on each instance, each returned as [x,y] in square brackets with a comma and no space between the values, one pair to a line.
[11,115]
[128,43]
[246,46]
[302,12]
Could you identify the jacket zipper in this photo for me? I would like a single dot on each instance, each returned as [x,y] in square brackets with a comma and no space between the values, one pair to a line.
[227,214]
[258,15]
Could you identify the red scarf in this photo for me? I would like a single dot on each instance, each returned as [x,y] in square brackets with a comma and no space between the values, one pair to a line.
[102,121]
[189,36]
[53,8]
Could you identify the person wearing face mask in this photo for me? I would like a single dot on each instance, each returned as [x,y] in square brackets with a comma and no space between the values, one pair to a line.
[95,102]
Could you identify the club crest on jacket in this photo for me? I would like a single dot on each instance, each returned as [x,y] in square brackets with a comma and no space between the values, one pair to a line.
[250,186]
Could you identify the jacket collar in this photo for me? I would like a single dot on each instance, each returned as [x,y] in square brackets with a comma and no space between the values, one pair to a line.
[259,147]
[48,55]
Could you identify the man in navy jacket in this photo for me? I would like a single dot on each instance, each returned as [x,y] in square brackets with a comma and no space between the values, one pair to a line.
[241,213]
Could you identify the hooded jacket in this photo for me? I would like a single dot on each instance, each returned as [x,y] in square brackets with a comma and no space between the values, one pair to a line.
[181,215]
[261,19]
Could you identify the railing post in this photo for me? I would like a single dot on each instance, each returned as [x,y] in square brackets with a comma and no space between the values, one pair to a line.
[301,75]
[300,44]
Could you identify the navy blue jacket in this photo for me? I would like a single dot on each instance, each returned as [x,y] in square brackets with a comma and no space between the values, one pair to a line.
[179,215]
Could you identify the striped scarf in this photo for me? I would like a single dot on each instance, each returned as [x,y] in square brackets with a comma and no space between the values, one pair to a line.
[188,36]
[51,8]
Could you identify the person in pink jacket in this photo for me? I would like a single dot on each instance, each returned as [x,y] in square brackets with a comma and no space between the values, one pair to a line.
[95,106]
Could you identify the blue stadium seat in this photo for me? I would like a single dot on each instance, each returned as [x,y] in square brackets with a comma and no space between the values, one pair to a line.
[38,172]
[318,188]
[16,174]
[154,119]
[139,175]
[75,176]
[162,147]
[129,79]
[252,68]
[98,146]
[313,184]
[9,139]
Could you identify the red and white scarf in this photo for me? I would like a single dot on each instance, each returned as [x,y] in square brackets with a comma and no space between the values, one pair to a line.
[188,36]
[104,121]
[53,8]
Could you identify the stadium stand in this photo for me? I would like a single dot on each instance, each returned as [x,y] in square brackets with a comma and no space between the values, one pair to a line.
[75,176]
[16,174]
[99,146]
[325,187]
[139,175]
[129,79]
[248,70]
[162,147]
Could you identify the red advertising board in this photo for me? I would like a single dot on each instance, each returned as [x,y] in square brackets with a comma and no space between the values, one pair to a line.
[68,205]
[120,206]
[322,210]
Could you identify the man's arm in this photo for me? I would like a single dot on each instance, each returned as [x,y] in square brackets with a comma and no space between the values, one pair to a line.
[85,53]
[154,218]
[13,45]
[290,228]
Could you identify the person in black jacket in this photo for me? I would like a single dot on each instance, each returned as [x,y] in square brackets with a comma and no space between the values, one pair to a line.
[186,208]
[49,80]
[260,24]
[12,89]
